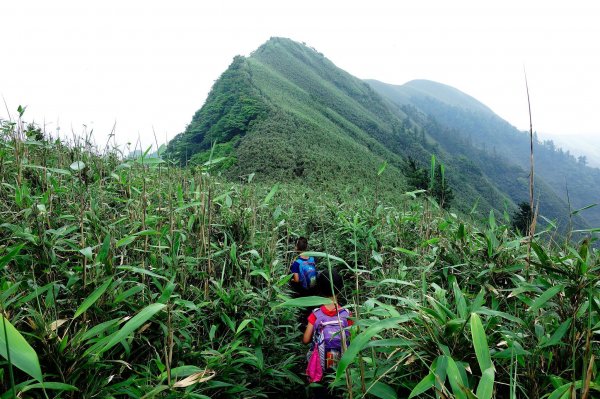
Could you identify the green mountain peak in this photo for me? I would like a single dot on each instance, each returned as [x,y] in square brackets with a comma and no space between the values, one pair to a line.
[287,112]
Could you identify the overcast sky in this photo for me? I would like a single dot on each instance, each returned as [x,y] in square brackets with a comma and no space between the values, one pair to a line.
[150,64]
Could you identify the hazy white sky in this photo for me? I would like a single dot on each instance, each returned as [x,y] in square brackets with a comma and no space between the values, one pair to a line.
[150,64]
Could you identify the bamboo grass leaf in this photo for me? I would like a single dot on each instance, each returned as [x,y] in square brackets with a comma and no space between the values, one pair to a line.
[325,255]
[306,301]
[22,355]
[485,388]
[382,168]
[133,324]
[558,335]
[77,166]
[541,254]
[104,250]
[545,297]
[424,385]
[362,339]
[87,252]
[126,240]
[141,271]
[562,390]
[381,390]
[10,256]
[90,300]
[56,386]
[271,194]
[455,378]
[482,351]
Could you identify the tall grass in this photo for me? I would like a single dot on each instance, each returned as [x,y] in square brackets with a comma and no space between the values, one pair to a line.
[136,278]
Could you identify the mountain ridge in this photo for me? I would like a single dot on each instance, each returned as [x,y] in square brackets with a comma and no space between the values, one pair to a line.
[559,171]
[287,112]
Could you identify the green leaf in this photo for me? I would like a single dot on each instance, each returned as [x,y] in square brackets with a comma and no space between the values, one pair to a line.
[382,168]
[125,241]
[77,166]
[362,339]
[243,325]
[141,271]
[87,252]
[90,300]
[325,255]
[136,322]
[395,281]
[167,291]
[461,303]
[405,251]
[10,256]
[271,194]
[307,301]
[383,391]
[560,391]
[22,355]
[426,383]
[492,220]
[485,389]
[152,161]
[575,212]
[432,172]
[482,350]
[558,334]
[545,297]
[456,381]
[214,161]
[376,256]
[541,254]
[57,386]
[104,250]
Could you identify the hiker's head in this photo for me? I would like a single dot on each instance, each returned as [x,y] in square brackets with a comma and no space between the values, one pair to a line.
[324,285]
[301,244]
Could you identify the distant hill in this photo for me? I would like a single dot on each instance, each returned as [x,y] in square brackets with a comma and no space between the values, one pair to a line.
[588,146]
[288,113]
[464,119]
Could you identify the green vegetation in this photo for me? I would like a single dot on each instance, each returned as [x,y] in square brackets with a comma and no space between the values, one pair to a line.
[287,113]
[137,278]
[523,218]
[465,127]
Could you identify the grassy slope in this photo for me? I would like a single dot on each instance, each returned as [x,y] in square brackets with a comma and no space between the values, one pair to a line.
[501,151]
[319,124]
[118,236]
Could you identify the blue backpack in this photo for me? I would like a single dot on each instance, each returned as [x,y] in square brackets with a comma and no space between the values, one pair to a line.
[307,272]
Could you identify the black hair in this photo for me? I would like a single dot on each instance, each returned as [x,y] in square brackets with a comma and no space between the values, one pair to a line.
[324,285]
[302,244]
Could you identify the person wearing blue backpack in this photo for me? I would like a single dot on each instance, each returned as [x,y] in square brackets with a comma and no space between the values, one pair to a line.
[304,270]
[304,278]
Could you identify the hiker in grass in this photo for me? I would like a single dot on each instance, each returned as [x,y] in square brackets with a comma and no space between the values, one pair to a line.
[327,333]
[304,278]
[304,271]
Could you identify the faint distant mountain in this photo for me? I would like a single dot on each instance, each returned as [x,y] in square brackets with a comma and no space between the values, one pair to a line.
[461,119]
[589,146]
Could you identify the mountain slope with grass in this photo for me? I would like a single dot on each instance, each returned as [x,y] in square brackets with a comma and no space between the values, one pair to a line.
[468,127]
[287,113]
[136,278]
